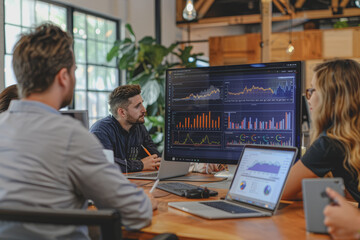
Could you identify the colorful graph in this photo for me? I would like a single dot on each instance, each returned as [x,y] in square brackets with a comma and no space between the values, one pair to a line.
[212,93]
[260,91]
[267,190]
[197,121]
[265,167]
[196,139]
[263,121]
[242,185]
[239,139]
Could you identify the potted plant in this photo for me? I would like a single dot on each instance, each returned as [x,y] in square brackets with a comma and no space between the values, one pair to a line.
[145,63]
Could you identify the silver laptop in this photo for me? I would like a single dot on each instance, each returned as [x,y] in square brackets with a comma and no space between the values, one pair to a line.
[256,188]
[168,169]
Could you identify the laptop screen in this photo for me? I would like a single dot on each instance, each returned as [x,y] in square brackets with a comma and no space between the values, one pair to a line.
[261,175]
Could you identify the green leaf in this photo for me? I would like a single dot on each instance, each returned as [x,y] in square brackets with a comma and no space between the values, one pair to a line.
[157,137]
[150,92]
[132,34]
[157,120]
[147,40]
[114,52]
[126,59]
[152,109]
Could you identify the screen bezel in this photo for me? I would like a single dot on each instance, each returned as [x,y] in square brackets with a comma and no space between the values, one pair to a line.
[297,92]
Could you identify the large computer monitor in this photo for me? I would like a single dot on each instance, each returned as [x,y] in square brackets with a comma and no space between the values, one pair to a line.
[81,115]
[212,112]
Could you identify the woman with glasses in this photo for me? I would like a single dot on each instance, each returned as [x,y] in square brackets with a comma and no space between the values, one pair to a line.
[334,102]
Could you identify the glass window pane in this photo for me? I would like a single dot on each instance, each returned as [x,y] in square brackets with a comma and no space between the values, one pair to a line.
[101,51]
[92,104]
[111,31]
[79,25]
[92,121]
[58,16]
[80,100]
[80,50]
[10,78]
[12,8]
[100,29]
[103,104]
[91,27]
[42,12]
[12,35]
[80,77]
[91,54]
[112,80]
[28,13]
[92,72]
[97,77]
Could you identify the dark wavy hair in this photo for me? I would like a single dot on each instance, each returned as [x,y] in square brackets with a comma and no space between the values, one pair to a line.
[39,56]
[119,97]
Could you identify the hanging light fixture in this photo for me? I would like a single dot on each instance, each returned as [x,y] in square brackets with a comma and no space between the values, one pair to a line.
[290,48]
[189,12]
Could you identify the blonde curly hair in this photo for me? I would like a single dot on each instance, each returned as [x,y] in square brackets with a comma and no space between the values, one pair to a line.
[338,110]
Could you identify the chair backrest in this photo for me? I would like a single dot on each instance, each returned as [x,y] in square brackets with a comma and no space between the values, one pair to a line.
[108,220]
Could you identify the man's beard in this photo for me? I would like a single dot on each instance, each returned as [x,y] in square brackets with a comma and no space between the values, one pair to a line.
[132,121]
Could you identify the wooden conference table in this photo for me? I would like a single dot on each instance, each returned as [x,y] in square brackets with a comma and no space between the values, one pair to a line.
[287,223]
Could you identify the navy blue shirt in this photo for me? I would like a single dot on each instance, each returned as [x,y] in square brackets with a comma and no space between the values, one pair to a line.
[126,145]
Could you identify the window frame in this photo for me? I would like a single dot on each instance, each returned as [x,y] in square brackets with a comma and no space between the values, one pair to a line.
[70,9]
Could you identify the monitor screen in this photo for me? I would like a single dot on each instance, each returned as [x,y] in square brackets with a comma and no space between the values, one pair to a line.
[81,115]
[212,112]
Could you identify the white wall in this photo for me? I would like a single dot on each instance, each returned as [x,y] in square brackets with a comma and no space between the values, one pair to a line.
[111,8]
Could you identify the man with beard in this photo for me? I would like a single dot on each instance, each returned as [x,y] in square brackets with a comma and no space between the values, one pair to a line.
[52,161]
[123,131]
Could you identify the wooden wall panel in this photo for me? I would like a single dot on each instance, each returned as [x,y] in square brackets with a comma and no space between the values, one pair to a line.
[216,57]
[356,42]
[312,44]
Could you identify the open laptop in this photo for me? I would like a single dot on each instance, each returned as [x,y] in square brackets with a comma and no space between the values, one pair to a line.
[256,188]
[168,169]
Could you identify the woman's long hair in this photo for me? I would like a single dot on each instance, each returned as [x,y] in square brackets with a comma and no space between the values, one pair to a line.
[338,110]
[6,96]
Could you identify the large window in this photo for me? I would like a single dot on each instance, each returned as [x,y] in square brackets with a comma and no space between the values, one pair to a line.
[20,16]
[94,35]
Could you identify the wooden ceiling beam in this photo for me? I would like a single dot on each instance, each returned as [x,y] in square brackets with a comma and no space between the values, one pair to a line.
[256,18]
[344,3]
[335,5]
[284,6]
[299,3]
[203,8]
[279,6]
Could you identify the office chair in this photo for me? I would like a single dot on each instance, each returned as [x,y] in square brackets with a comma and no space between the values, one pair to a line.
[108,220]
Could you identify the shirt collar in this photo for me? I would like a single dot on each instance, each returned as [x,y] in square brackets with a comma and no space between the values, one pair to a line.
[30,106]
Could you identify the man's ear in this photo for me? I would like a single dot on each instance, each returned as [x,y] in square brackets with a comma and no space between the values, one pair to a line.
[121,112]
[63,77]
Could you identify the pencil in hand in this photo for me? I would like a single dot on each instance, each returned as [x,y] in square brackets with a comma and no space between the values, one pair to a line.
[148,153]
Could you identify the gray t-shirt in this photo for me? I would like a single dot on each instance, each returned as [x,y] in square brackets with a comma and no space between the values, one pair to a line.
[52,161]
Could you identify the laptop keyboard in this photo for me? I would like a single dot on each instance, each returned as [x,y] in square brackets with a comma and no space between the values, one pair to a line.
[179,188]
[227,207]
